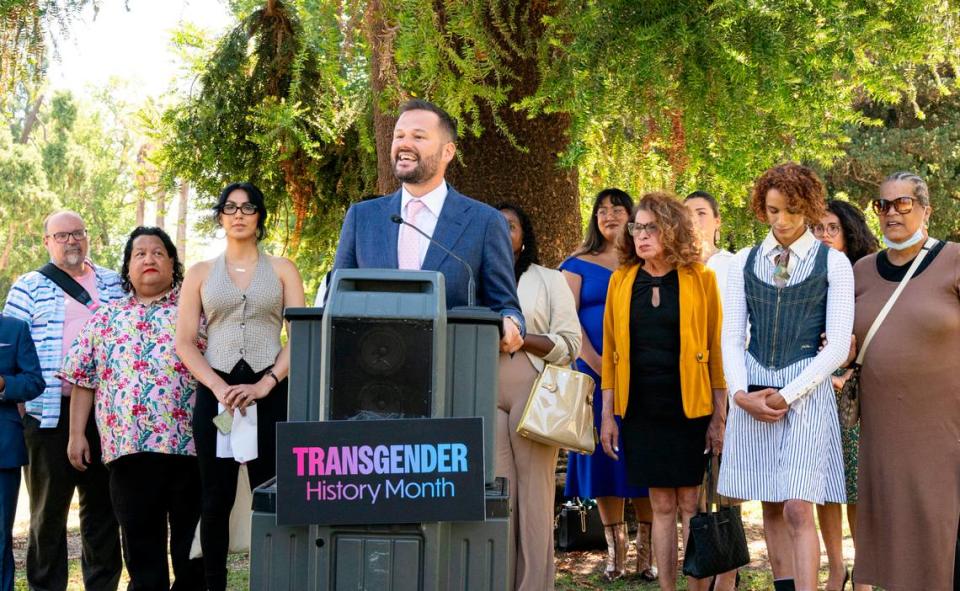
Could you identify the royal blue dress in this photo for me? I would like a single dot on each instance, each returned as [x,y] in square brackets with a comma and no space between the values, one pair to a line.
[595,475]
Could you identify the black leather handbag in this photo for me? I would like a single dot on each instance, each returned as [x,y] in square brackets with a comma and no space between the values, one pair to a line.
[717,543]
[578,527]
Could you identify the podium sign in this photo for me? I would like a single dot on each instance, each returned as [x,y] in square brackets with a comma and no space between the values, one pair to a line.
[379,472]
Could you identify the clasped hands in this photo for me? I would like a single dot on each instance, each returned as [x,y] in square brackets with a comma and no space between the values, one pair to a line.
[240,396]
[766,406]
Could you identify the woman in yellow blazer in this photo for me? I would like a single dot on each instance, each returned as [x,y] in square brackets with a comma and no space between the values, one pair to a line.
[662,367]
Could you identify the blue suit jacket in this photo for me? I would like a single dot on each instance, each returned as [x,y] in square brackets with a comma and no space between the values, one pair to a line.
[20,368]
[473,230]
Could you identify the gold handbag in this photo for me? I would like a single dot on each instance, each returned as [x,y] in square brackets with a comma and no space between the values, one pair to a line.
[559,410]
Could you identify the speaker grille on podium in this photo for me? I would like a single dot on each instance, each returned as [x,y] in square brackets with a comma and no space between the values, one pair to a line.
[381,369]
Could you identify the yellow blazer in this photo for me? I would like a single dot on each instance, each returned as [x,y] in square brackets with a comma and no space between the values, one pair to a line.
[701,363]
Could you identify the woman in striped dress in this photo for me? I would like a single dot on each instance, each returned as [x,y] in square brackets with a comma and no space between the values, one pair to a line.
[782,444]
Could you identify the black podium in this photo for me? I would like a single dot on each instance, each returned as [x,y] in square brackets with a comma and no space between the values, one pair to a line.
[385,348]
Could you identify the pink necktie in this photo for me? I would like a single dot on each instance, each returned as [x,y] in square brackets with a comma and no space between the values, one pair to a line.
[408,251]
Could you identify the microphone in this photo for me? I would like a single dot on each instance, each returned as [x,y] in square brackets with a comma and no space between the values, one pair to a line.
[471,285]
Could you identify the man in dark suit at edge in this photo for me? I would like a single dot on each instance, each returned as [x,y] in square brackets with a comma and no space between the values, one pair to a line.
[424,143]
[20,380]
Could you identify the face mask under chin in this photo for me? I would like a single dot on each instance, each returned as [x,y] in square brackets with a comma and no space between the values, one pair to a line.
[911,241]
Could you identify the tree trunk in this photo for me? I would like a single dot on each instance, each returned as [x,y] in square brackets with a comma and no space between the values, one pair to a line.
[31,120]
[161,208]
[383,74]
[8,247]
[491,168]
[141,206]
[182,219]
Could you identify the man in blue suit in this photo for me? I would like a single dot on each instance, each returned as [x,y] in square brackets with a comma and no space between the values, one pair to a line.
[424,143]
[20,380]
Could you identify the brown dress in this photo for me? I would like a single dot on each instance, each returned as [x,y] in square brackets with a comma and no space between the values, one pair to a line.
[909,482]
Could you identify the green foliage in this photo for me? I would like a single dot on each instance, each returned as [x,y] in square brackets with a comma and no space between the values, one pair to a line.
[903,140]
[698,94]
[25,26]
[685,95]
[273,105]
[81,161]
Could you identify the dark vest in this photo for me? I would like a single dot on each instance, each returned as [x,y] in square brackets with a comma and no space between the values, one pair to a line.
[786,322]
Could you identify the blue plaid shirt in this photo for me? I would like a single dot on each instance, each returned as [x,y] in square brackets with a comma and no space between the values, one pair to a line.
[38,301]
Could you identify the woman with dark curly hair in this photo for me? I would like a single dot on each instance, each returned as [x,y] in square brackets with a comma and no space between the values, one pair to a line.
[661,354]
[782,443]
[844,228]
[125,369]
[553,336]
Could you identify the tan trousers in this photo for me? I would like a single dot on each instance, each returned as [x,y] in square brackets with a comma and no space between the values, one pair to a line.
[530,468]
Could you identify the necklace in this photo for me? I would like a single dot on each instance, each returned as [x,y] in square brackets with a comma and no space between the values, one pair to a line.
[238,268]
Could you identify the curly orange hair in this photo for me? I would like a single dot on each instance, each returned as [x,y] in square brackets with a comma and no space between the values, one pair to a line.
[681,243]
[805,192]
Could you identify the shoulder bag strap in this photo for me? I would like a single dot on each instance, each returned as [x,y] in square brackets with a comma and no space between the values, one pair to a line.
[893,299]
[67,283]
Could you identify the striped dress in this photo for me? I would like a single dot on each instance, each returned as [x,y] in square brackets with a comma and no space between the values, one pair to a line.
[799,456]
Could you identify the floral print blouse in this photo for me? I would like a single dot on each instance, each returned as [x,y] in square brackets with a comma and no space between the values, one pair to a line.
[144,395]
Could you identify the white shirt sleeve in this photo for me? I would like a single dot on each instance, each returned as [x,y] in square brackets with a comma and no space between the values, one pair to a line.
[840,310]
[733,338]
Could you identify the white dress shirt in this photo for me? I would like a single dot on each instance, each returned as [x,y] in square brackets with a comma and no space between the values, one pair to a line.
[428,216]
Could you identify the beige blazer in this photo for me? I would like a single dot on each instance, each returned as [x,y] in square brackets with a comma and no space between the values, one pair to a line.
[548,309]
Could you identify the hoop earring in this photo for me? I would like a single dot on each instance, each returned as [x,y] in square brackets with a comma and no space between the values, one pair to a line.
[220,233]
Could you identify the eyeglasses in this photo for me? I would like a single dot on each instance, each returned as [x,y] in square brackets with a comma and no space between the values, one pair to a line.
[903,205]
[64,237]
[831,230]
[245,208]
[611,212]
[635,229]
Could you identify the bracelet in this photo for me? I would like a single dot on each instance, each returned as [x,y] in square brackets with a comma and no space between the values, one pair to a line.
[274,376]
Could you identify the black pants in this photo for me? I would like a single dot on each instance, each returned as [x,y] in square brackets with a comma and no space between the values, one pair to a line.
[148,489]
[218,476]
[9,490]
[51,481]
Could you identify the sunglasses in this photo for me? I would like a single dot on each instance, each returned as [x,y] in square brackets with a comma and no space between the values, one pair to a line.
[902,205]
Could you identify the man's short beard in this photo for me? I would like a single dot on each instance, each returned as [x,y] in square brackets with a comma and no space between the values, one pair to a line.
[72,259]
[424,170]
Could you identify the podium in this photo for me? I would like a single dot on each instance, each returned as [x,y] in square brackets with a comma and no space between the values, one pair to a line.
[385,347]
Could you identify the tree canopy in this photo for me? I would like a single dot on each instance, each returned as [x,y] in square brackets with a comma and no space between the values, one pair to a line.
[677,95]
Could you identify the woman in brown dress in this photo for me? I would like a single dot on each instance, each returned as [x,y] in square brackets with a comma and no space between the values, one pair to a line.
[909,481]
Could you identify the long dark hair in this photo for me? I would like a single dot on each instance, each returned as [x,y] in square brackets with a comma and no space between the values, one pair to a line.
[167,244]
[255,196]
[528,252]
[593,241]
[858,240]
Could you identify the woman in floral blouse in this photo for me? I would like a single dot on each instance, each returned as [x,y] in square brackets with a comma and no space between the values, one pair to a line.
[125,365]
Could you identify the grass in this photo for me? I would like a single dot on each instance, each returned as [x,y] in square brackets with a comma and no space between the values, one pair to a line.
[575,570]
[238,574]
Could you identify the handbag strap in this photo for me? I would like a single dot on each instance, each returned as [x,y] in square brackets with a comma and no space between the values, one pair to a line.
[708,497]
[893,299]
[68,284]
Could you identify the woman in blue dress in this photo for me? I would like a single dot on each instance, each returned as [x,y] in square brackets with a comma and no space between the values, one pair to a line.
[597,476]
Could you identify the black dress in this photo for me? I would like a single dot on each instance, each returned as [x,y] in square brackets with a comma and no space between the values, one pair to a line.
[662,447]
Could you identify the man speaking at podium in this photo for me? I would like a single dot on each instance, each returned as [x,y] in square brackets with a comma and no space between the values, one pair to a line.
[383,233]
